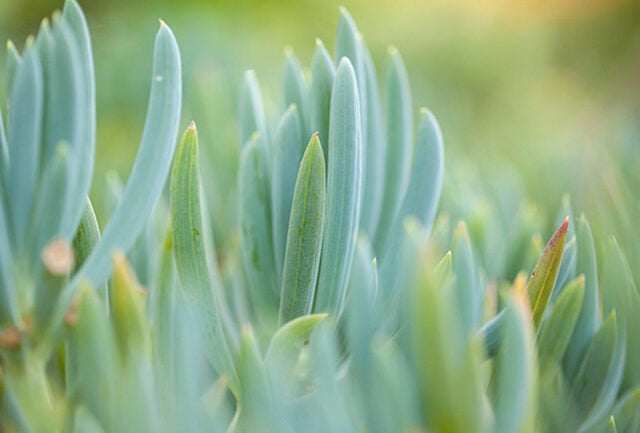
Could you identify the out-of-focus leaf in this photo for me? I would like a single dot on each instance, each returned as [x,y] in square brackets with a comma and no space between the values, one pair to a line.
[127,304]
[12,65]
[468,288]
[399,142]
[420,199]
[620,293]
[255,225]
[288,150]
[8,301]
[91,356]
[24,133]
[296,89]
[50,201]
[304,239]
[513,380]
[322,75]
[191,254]
[589,318]
[557,329]
[251,116]
[543,277]
[596,383]
[373,137]
[84,422]
[344,185]
[627,413]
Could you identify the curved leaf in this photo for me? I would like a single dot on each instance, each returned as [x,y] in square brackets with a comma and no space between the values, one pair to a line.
[322,75]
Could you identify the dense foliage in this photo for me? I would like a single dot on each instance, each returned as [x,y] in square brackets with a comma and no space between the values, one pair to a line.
[337,301]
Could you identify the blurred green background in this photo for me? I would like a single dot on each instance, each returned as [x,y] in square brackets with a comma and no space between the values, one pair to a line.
[535,98]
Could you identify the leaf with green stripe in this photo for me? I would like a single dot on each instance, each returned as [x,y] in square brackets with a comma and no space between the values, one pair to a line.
[190,253]
[304,239]
[344,185]
[543,277]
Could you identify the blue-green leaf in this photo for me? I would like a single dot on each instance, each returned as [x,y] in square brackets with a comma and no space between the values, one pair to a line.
[304,238]
[251,117]
[296,89]
[191,254]
[288,150]
[150,168]
[344,185]
[420,199]
[322,76]
[12,65]
[25,128]
[373,139]
[85,148]
[399,142]
[589,318]
[557,329]
[255,225]
[512,384]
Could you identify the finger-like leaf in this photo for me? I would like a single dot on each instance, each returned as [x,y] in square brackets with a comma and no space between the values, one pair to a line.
[85,148]
[512,383]
[304,239]
[296,89]
[255,225]
[627,413]
[373,136]
[589,318]
[421,198]
[8,302]
[399,142]
[50,200]
[543,277]
[344,183]
[150,168]
[558,328]
[288,150]
[12,65]
[251,116]
[25,128]
[596,383]
[322,75]
[190,252]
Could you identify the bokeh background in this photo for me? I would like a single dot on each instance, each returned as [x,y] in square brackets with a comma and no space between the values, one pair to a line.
[536,98]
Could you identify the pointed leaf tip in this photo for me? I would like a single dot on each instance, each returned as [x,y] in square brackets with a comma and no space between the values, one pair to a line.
[192,126]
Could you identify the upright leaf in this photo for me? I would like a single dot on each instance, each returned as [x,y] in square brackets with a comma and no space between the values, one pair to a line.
[190,253]
[399,143]
[543,277]
[288,150]
[304,239]
[296,89]
[344,185]
[322,75]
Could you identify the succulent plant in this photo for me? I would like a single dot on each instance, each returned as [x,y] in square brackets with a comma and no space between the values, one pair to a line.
[339,302]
